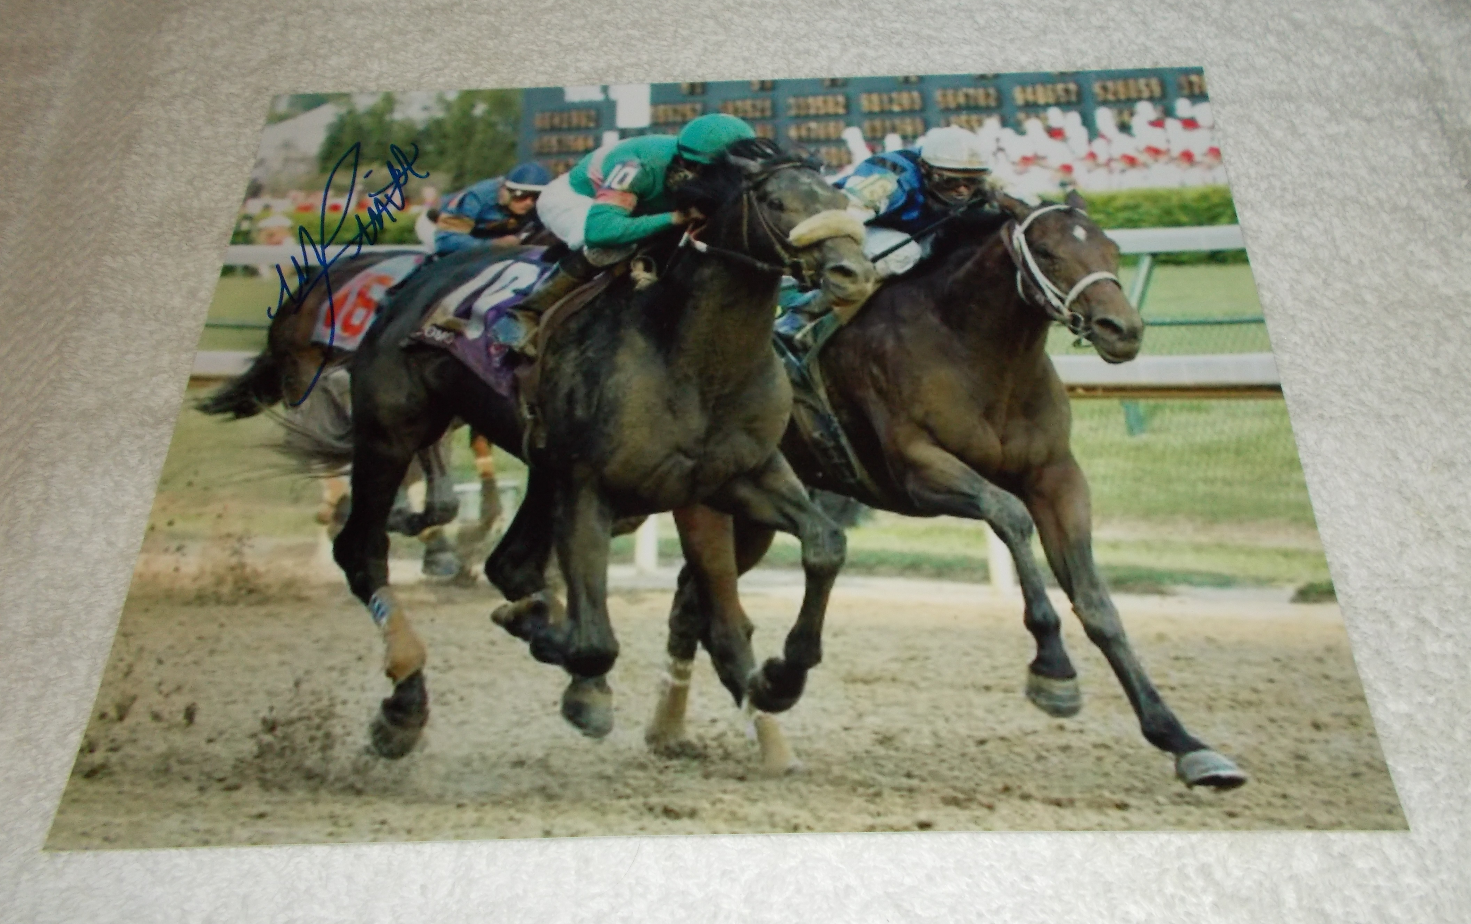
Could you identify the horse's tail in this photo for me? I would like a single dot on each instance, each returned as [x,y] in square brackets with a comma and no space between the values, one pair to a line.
[318,433]
[247,394]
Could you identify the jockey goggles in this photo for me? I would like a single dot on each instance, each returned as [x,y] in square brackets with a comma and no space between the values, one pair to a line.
[955,185]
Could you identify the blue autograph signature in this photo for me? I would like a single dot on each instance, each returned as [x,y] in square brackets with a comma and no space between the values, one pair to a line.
[316,263]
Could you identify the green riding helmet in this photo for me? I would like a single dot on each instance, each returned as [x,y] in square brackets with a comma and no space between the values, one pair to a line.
[706,138]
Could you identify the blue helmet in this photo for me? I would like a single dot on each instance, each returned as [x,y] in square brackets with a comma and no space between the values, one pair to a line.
[528,177]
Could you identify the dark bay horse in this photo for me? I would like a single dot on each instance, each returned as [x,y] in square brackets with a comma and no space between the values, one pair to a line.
[945,392]
[650,398]
[658,399]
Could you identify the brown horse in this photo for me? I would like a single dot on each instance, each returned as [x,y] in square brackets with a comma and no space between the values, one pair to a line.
[951,405]
[305,382]
[670,396]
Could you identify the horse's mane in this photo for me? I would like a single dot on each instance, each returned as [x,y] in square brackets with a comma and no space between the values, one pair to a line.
[720,182]
[969,229]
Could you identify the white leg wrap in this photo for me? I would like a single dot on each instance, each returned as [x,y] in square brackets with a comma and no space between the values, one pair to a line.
[667,724]
[776,755]
[679,672]
[380,606]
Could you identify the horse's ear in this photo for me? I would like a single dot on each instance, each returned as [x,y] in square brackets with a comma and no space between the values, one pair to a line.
[1075,201]
[1013,206]
[746,165]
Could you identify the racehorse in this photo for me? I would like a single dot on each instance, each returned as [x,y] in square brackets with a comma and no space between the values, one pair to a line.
[651,397]
[951,406]
[308,378]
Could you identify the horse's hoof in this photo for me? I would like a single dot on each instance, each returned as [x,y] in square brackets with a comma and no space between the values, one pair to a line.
[400,721]
[522,618]
[1061,698]
[587,704]
[441,564]
[392,741]
[402,520]
[1207,768]
[776,687]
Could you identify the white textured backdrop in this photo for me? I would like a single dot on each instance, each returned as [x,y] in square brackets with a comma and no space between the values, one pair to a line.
[1346,127]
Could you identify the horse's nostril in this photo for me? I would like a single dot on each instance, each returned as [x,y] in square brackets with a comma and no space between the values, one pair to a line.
[1114,329]
[843,271]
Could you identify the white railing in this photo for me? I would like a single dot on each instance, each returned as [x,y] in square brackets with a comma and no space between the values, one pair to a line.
[1218,371]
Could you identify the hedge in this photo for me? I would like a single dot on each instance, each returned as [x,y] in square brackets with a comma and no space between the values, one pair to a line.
[1168,208]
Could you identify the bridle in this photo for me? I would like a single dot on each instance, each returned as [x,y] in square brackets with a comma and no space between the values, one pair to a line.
[1057,304]
[792,263]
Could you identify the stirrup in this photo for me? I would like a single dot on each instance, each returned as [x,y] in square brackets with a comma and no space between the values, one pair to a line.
[516,331]
[643,272]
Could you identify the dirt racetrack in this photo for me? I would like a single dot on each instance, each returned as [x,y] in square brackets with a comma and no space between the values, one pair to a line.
[234,711]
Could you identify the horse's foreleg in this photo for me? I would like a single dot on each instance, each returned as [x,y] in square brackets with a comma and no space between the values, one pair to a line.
[517,567]
[707,610]
[940,483]
[773,497]
[582,524]
[1058,499]
[440,503]
[470,539]
[490,495]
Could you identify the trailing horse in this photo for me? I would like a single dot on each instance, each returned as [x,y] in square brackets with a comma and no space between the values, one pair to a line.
[949,405]
[649,398]
[302,381]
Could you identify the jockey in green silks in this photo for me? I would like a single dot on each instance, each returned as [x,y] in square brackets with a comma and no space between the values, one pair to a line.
[617,196]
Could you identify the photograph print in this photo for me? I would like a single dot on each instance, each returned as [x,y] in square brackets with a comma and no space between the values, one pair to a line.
[856,454]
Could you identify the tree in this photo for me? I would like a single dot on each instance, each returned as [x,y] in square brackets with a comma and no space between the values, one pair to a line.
[375,128]
[473,138]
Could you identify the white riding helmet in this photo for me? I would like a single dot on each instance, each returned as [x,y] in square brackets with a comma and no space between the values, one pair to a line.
[953,148]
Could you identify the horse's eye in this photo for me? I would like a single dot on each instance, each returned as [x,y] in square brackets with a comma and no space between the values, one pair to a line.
[776,204]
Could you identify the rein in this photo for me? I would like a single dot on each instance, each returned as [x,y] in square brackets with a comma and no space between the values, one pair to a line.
[1057,304]
[791,265]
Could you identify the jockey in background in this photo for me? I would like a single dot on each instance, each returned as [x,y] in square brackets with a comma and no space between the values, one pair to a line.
[500,211]
[617,196]
[906,191]
[902,193]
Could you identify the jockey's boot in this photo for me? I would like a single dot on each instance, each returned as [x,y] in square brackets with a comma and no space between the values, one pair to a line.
[517,330]
[801,325]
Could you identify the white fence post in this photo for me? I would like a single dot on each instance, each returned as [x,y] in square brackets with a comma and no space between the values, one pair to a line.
[998,558]
[646,546]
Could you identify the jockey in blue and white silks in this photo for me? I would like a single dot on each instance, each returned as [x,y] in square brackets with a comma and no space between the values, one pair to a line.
[500,210]
[904,192]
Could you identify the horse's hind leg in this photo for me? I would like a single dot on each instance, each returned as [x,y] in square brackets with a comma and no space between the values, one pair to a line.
[380,459]
[440,503]
[940,483]
[1058,498]
[361,550]
[773,497]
